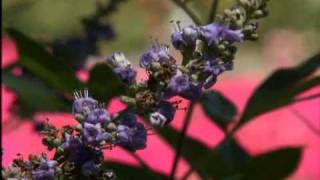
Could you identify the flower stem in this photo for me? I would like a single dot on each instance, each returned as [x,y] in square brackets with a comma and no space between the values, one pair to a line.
[213,11]
[188,11]
[181,139]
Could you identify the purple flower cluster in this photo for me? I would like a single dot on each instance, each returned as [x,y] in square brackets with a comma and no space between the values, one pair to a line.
[80,148]
[207,50]
[98,128]
[45,171]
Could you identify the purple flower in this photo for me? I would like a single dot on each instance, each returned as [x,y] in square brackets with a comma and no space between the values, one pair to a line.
[98,115]
[233,36]
[212,69]
[158,53]
[89,168]
[78,152]
[193,93]
[213,33]
[131,134]
[83,103]
[72,143]
[126,74]
[122,67]
[186,38]
[118,60]
[93,134]
[179,83]
[164,114]
[45,171]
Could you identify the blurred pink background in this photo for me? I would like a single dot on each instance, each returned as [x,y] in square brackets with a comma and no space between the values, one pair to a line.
[277,129]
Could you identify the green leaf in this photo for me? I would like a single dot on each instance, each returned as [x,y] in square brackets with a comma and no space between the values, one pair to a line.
[193,151]
[281,88]
[104,83]
[33,96]
[218,108]
[273,165]
[225,160]
[124,172]
[35,58]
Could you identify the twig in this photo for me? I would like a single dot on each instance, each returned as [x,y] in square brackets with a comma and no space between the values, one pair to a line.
[187,174]
[188,11]
[305,121]
[213,11]
[314,96]
[142,163]
[181,139]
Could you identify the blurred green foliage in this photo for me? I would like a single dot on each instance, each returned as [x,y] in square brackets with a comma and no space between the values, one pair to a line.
[137,20]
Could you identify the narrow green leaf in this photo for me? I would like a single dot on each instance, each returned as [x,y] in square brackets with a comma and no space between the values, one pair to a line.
[104,83]
[273,165]
[225,159]
[35,58]
[193,151]
[280,89]
[33,96]
[124,172]
[218,108]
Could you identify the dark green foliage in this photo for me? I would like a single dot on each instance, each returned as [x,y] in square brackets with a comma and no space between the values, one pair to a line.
[281,88]
[33,96]
[36,59]
[124,172]
[218,108]
[104,83]
[274,165]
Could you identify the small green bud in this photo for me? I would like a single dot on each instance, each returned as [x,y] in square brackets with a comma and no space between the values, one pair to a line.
[245,3]
[221,47]
[102,143]
[56,142]
[128,100]
[111,126]
[194,77]
[79,117]
[258,14]
[60,150]
[254,36]
[155,66]
[78,127]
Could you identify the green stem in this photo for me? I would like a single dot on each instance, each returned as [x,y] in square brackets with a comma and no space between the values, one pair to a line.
[188,11]
[144,165]
[213,11]
[181,139]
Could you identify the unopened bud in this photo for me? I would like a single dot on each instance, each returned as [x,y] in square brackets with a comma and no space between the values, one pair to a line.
[56,142]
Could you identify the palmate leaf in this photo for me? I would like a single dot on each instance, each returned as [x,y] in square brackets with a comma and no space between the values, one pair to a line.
[34,96]
[281,88]
[218,108]
[104,83]
[37,60]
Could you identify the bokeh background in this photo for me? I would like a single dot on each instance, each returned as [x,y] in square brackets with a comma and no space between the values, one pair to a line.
[290,34]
